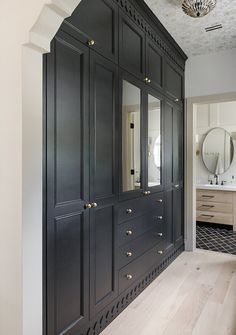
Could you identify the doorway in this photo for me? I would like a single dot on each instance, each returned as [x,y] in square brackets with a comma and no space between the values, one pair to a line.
[205,200]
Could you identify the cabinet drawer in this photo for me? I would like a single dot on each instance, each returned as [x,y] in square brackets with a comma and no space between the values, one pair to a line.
[134,228]
[214,196]
[215,207]
[137,207]
[130,273]
[140,245]
[211,217]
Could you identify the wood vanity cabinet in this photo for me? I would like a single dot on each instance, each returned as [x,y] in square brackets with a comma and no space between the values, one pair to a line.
[216,207]
[113,172]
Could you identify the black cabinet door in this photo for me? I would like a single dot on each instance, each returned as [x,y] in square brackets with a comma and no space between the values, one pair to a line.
[174,82]
[178,174]
[131,47]
[97,20]
[103,181]
[154,64]
[67,185]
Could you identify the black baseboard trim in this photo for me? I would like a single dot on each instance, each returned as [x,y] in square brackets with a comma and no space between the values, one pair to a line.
[108,314]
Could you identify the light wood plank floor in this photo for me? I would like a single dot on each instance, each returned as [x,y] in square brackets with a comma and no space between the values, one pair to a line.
[195,295]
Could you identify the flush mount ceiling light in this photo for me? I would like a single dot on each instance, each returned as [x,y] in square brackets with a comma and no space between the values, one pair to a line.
[198,8]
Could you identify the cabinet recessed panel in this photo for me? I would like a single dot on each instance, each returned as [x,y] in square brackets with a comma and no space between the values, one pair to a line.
[98,20]
[173,83]
[131,140]
[69,266]
[68,115]
[154,65]
[154,142]
[102,257]
[131,48]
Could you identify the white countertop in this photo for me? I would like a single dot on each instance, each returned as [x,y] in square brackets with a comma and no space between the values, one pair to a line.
[231,188]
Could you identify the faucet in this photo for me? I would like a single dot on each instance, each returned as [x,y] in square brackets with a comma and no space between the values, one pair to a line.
[217,179]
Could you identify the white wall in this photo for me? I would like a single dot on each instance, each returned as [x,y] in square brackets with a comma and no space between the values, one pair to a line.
[211,74]
[210,116]
[33,23]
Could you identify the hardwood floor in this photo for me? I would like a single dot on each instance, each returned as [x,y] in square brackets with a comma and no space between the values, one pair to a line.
[195,295]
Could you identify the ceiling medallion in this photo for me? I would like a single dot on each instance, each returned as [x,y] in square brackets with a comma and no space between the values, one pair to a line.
[198,8]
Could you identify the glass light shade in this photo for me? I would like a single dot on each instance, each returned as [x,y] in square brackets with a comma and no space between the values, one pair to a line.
[198,8]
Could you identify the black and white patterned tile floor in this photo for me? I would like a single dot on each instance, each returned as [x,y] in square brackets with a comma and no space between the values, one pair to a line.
[216,239]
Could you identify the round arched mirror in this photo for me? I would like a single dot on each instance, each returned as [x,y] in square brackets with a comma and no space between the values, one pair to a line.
[218,151]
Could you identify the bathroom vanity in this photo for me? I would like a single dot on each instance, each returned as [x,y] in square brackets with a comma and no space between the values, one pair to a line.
[216,204]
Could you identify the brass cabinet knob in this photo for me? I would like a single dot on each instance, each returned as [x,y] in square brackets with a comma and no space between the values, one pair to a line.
[129,254]
[146,192]
[149,81]
[176,186]
[129,277]
[176,100]
[94,205]
[129,232]
[146,80]
[91,42]
[160,217]
[160,200]
[160,234]
[129,211]
[149,192]
[87,206]
[160,252]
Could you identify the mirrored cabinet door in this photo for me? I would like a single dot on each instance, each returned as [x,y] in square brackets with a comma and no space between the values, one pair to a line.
[131,137]
[154,142]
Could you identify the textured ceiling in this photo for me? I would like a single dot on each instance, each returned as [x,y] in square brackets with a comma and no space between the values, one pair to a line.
[190,33]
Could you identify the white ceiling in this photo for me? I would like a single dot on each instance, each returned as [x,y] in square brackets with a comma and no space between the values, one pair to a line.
[190,33]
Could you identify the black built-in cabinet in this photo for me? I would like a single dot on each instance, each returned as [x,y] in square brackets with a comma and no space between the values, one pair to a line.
[103,245]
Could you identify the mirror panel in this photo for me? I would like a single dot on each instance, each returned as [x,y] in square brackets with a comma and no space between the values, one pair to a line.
[218,151]
[154,141]
[131,141]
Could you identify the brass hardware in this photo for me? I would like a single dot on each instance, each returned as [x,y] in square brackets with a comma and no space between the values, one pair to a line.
[145,192]
[129,277]
[176,186]
[94,204]
[91,42]
[207,216]
[149,192]
[176,100]
[129,254]
[160,252]
[208,206]
[146,80]
[129,211]
[149,81]
[129,232]
[160,234]
[160,217]
[208,196]
[159,200]
[87,206]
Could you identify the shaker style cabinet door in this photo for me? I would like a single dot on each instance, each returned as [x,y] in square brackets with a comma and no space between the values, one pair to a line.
[67,185]
[174,83]
[131,47]
[154,65]
[103,181]
[97,23]
[178,174]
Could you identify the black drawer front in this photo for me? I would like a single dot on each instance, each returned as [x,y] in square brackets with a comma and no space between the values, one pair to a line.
[137,207]
[140,245]
[130,230]
[130,273]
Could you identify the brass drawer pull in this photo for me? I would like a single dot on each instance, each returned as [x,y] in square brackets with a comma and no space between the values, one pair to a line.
[207,216]
[160,200]
[208,196]
[129,211]
[129,232]
[160,234]
[129,277]
[147,80]
[208,206]
[160,217]
[91,42]
[176,186]
[176,100]
[160,252]
[129,254]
